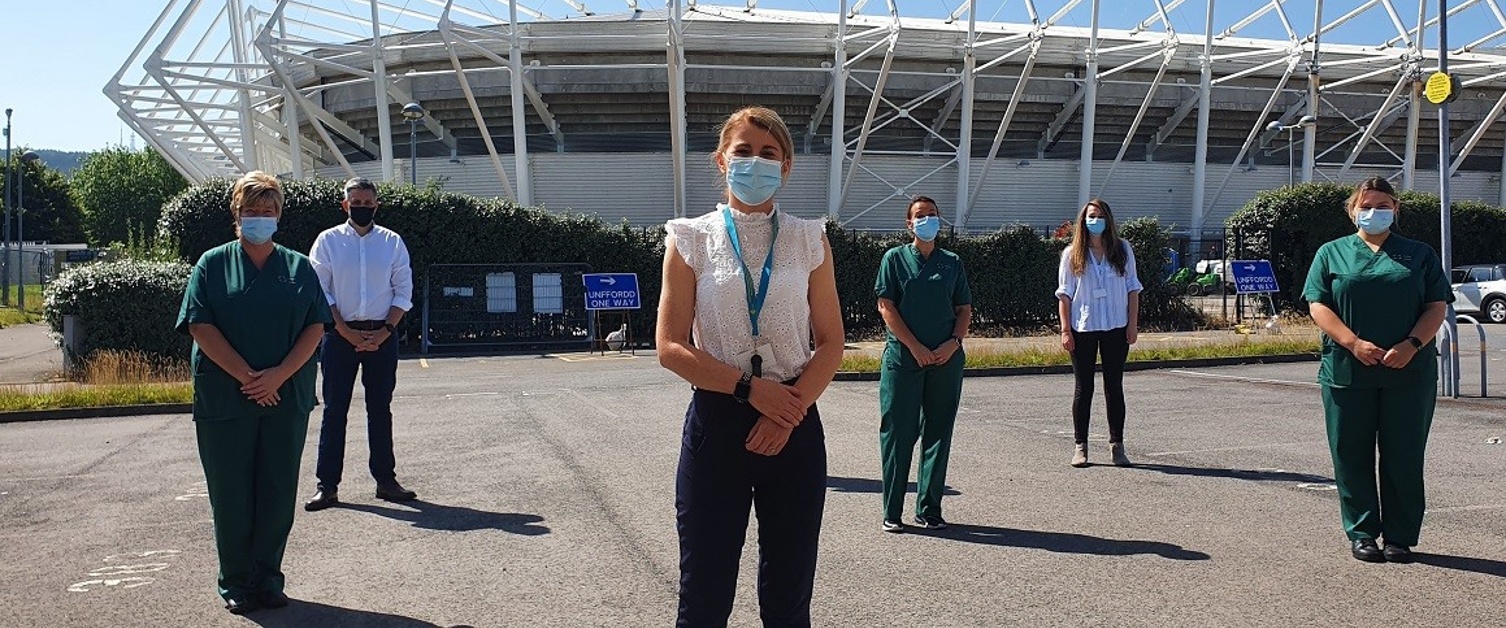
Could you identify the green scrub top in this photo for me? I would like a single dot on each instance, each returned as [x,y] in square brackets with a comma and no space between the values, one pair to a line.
[261,313]
[1379,295]
[927,291]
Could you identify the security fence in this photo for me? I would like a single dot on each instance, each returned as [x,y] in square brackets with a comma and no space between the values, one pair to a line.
[513,305]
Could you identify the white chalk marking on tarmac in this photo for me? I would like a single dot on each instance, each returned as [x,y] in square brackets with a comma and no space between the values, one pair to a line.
[1218,449]
[1252,380]
[423,363]
[126,570]
[1318,486]
[147,554]
[474,394]
[124,583]
[1466,508]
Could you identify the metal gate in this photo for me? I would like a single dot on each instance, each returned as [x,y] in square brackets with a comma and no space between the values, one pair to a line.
[512,305]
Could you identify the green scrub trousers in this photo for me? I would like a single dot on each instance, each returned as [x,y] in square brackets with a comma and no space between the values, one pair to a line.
[1379,295]
[251,454]
[919,403]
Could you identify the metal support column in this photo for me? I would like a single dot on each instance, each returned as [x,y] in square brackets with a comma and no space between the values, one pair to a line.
[520,168]
[290,116]
[237,19]
[676,66]
[1089,111]
[838,116]
[1445,206]
[379,83]
[965,141]
[1314,80]
[1200,156]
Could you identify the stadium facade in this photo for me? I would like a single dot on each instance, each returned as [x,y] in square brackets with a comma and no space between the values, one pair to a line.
[615,113]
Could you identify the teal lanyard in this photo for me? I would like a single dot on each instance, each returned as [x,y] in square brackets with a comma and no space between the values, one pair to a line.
[755,299]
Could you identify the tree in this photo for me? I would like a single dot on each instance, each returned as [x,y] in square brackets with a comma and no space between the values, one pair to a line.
[121,192]
[52,215]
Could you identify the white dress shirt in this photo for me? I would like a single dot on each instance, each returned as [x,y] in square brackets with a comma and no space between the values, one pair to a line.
[1099,297]
[722,327]
[363,276]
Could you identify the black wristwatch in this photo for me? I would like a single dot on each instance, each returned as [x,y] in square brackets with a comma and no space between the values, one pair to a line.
[389,327]
[744,388]
[1416,344]
[958,339]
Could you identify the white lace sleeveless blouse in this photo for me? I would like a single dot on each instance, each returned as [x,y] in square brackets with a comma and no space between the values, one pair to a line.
[722,327]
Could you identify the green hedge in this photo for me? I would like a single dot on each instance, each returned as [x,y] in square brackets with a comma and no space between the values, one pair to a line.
[1288,225]
[1013,270]
[123,306]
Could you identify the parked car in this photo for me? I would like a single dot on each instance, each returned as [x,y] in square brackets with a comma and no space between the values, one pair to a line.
[1481,289]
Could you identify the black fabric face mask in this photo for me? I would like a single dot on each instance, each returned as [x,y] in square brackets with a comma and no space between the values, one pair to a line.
[362,216]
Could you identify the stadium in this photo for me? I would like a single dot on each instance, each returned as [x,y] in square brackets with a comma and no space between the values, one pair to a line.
[612,109]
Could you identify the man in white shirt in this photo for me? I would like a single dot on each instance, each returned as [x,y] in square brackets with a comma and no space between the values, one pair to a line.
[364,271]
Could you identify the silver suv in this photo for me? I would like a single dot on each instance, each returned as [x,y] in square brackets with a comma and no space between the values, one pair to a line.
[1481,288]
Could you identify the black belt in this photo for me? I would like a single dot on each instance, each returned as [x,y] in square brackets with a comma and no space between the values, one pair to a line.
[366,325]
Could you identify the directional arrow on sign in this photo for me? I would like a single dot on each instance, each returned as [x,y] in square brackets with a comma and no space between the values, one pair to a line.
[1250,267]
[611,281]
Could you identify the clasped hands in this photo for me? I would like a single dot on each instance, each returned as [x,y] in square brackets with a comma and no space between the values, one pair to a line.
[364,340]
[933,357]
[262,386]
[1369,354]
[780,408]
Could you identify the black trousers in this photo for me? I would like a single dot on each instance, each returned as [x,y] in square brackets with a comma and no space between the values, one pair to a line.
[718,480]
[340,361]
[1114,345]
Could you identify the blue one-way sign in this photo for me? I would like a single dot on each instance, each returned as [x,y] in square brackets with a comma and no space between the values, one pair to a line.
[1253,277]
[612,291]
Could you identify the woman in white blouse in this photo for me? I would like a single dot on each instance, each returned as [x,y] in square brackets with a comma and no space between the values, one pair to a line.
[755,287]
[1099,296]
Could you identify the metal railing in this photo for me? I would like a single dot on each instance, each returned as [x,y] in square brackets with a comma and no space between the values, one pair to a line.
[1448,352]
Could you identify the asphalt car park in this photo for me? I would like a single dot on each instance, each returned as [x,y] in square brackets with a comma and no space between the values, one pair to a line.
[546,490]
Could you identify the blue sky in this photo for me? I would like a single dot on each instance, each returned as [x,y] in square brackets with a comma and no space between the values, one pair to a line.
[58,55]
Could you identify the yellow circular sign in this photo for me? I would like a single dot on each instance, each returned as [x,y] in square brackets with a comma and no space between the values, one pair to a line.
[1441,88]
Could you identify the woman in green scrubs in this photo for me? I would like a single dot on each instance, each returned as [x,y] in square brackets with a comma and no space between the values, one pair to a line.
[1379,299]
[926,304]
[256,314]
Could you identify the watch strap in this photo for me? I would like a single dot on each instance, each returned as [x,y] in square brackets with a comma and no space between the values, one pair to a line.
[389,327]
[744,388]
[1416,343]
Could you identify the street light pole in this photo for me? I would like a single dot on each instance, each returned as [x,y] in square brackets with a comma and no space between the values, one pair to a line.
[1291,138]
[5,263]
[26,159]
[413,112]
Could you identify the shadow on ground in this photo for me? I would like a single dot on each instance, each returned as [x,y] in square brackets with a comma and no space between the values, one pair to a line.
[431,516]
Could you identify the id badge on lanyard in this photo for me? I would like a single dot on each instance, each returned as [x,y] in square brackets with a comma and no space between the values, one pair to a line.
[1099,268]
[762,353]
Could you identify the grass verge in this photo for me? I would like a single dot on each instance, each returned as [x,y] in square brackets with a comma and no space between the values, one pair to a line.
[1041,356]
[59,396]
[11,315]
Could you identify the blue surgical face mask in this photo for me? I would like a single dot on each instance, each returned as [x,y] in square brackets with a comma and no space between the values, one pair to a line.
[1096,224]
[754,180]
[926,227]
[258,229]
[1375,220]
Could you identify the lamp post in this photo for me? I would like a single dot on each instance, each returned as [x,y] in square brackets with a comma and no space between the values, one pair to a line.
[26,159]
[413,112]
[5,263]
[1291,138]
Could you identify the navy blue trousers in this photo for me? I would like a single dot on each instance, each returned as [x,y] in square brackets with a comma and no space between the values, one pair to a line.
[718,481]
[340,360]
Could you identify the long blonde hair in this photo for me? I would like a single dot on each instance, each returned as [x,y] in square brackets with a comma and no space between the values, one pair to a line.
[1082,242]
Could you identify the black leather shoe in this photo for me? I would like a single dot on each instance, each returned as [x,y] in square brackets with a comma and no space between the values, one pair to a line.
[272,599]
[240,605]
[1366,550]
[1398,553]
[394,492]
[324,498]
